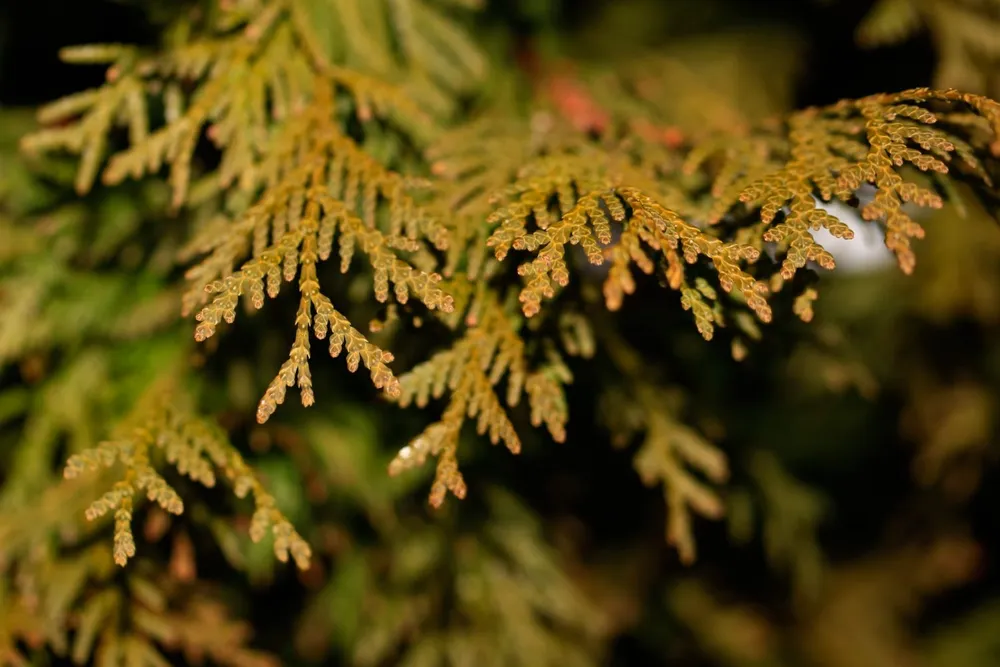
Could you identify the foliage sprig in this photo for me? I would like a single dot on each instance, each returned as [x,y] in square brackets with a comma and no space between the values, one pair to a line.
[197,449]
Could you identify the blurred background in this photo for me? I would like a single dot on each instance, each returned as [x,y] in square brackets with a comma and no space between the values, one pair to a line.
[863,509]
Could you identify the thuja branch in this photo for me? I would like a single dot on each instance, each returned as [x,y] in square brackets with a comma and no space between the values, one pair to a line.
[161,423]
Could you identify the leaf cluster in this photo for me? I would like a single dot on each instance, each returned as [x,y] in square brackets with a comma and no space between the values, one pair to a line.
[345,140]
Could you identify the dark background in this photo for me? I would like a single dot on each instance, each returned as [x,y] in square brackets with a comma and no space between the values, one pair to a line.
[32,32]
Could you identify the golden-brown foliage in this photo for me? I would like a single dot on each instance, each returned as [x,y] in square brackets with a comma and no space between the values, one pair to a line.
[833,152]
[301,213]
[299,120]
[490,349]
[197,448]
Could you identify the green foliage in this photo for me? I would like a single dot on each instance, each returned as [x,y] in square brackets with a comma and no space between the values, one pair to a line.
[506,583]
[498,238]
[299,182]
[965,35]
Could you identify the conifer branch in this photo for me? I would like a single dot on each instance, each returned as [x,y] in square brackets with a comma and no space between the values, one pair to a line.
[606,199]
[670,454]
[545,388]
[302,213]
[792,513]
[490,349]
[834,151]
[668,447]
[513,583]
[966,34]
[244,82]
[297,114]
[68,600]
[267,96]
[198,450]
